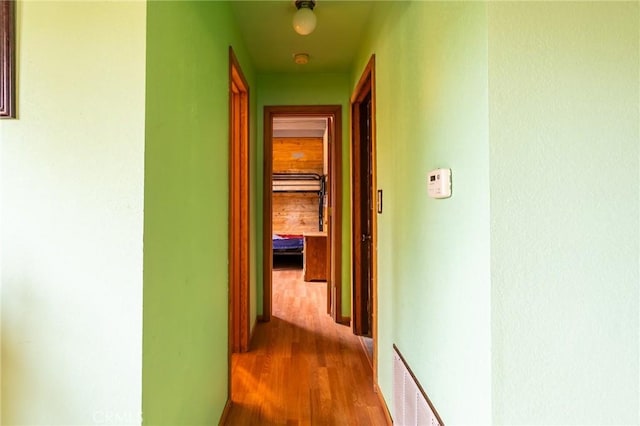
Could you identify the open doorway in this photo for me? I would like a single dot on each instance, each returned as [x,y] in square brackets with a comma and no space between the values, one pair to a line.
[299,194]
[302,190]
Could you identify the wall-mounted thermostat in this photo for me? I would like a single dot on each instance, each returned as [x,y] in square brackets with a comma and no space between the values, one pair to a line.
[439,183]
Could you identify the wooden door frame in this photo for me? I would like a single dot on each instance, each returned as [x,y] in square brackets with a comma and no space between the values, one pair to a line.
[334,277]
[365,86]
[239,209]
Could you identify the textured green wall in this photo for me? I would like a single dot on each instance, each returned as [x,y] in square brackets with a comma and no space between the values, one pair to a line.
[564,99]
[185,334]
[71,202]
[433,259]
[521,308]
[309,89]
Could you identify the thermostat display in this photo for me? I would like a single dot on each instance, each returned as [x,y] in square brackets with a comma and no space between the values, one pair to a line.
[439,183]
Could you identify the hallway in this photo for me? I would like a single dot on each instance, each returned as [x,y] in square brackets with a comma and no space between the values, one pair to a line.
[303,369]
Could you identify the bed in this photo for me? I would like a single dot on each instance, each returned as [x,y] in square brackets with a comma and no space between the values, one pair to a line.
[284,244]
[310,183]
[300,198]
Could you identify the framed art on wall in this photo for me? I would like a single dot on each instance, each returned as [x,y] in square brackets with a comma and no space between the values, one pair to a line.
[7,59]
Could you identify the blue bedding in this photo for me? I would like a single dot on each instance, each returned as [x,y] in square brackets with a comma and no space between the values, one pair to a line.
[287,243]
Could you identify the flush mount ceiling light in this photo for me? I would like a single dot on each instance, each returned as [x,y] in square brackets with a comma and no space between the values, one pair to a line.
[301,58]
[304,21]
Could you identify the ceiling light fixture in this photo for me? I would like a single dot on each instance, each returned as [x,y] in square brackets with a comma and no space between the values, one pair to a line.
[301,58]
[304,21]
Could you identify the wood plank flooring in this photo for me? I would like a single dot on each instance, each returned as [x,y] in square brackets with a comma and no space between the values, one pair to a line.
[302,368]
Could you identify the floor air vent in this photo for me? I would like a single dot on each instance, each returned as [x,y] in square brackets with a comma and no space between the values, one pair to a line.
[411,406]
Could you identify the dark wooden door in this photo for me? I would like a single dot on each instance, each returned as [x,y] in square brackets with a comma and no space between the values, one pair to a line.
[363,217]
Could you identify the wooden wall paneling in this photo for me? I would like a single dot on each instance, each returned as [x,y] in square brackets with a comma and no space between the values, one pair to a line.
[298,155]
[295,212]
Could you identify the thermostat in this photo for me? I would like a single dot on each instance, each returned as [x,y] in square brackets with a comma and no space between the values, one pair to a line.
[440,183]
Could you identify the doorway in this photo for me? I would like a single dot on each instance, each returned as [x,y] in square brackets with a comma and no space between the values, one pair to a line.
[328,206]
[365,199]
[239,213]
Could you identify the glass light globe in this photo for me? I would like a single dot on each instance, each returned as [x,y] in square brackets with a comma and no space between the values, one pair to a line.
[304,21]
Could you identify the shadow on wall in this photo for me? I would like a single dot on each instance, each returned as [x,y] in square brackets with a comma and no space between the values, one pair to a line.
[27,375]
[14,390]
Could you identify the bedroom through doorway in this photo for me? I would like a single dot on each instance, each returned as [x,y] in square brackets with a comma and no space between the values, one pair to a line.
[300,200]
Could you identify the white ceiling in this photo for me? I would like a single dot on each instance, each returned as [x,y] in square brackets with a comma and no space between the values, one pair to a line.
[299,126]
[271,41]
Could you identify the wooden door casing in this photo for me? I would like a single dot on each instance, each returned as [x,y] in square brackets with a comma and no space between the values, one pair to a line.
[239,239]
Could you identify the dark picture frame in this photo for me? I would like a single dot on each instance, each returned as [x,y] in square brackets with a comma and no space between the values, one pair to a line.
[7,59]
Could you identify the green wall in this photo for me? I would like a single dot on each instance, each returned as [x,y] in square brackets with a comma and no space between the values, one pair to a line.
[564,135]
[308,89]
[185,334]
[433,255]
[71,202]
[516,301]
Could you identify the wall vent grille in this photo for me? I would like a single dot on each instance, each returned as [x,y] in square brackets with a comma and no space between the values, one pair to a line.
[411,406]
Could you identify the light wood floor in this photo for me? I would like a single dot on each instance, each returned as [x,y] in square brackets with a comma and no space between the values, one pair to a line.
[302,368]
